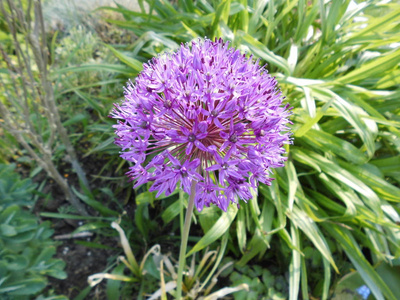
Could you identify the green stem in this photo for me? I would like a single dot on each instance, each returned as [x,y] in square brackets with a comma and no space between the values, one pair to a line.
[140,296]
[185,236]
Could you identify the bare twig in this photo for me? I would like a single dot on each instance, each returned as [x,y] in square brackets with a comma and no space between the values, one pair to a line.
[32,93]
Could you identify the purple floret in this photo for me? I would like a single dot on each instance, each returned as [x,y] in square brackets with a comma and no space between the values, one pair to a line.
[204,113]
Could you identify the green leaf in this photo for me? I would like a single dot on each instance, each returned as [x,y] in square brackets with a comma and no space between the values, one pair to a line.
[97,67]
[369,69]
[303,158]
[142,219]
[171,212]
[344,176]
[7,230]
[367,130]
[382,187]
[113,289]
[45,255]
[307,225]
[129,61]
[377,24]
[219,228]
[310,123]
[389,165]
[295,266]
[91,101]
[130,13]
[83,294]
[145,198]
[347,195]
[258,244]
[16,262]
[72,217]
[346,241]
[56,270]
[258,10]
[93,245]
[103,146]
[95,204]
[27,286]
[208,217]
[327,279]
[92,226]
[221,15]
[260,241]
[241,230]
[243,17]
[75,119]
[274,195]
[325,142]
[262,51]
[304,283]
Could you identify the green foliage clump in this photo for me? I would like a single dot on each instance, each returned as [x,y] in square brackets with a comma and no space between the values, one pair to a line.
[262,284]
[82,46]
[13,189]
[26,247]
[337,63]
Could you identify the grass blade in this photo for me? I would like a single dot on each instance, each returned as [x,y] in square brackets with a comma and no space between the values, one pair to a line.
[219,228]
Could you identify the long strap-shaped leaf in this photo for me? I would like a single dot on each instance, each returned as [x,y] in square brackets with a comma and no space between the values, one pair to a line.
[346,240]
[307,225]
[219,228]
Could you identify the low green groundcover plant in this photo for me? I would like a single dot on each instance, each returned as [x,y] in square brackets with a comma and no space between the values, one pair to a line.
[26,249]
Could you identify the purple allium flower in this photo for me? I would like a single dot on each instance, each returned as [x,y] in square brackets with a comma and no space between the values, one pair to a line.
[206,113]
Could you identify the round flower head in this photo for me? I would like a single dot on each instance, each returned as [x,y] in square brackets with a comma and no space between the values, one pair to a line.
[206,113]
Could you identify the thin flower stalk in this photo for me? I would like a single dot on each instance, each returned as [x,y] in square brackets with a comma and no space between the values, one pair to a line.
[184,240]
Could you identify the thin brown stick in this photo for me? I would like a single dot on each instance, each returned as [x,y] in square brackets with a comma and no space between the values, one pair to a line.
[34,94]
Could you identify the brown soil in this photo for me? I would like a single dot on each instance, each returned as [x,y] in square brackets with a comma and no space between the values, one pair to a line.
[81,262]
